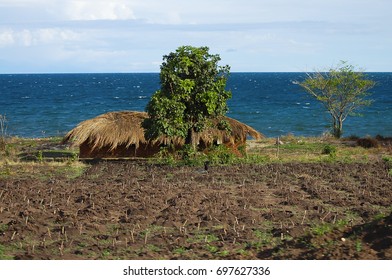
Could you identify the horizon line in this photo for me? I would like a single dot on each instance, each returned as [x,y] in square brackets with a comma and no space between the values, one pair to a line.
[151,72]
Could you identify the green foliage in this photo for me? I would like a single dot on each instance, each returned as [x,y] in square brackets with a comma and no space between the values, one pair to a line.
[192,92]
[3,256]
[203,237]
[358,245]
[322,229]
[211,248]
[180,250]
[3,228]
[342,90]
[221,155]
[40,156]
[264,237]
[166,156]
[388,161]
[329,150]
[189,155]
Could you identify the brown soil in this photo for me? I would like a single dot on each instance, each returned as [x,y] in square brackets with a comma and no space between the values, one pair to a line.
[133,210]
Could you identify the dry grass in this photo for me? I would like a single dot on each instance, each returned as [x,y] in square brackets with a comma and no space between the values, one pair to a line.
[311,149]
[40,170]
[38,158]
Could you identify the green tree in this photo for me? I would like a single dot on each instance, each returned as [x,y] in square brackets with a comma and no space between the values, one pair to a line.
[192,93]
[342,90]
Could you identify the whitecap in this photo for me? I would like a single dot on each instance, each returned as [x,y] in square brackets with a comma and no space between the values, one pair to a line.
[142,97]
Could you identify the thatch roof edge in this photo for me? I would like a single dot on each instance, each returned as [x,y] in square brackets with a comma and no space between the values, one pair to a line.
[125,128]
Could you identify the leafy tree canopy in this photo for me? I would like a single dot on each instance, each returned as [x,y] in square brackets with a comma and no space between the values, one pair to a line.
[192,92]
[342,91]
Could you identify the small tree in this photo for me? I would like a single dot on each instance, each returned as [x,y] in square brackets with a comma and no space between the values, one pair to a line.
[192,92]
[341,90]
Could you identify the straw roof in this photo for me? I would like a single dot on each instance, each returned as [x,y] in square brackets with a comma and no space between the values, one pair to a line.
[237,134]
[125,128]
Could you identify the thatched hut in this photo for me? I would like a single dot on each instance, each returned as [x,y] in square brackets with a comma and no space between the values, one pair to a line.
[121,134]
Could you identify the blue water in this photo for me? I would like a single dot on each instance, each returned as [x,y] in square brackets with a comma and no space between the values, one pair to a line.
[38,105]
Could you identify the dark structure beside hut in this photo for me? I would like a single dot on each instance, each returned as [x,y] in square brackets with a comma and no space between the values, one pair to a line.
[121,134]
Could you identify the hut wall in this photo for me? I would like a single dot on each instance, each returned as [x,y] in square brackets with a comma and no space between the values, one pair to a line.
[144,150]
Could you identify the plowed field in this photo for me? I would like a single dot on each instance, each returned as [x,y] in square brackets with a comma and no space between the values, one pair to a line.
[133,210]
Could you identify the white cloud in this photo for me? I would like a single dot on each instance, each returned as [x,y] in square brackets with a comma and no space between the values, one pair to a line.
[25,37]
[127,35]
[6,38]
[36,37]
[98,10]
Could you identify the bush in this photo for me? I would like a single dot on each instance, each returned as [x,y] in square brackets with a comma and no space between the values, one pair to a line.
[190,156]
[329,150]
[368,142]
[221,155]
[165,156]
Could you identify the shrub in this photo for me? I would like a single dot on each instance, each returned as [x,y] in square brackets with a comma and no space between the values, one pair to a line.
[329,150]
[191,156]
[221,155]
[368,142]
[165,156]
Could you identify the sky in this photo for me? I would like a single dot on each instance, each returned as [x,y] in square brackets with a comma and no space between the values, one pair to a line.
[94,36]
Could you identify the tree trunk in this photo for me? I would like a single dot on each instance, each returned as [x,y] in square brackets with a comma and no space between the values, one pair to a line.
[190,138]
[337,127]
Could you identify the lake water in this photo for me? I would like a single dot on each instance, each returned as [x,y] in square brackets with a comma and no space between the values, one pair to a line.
[38,105]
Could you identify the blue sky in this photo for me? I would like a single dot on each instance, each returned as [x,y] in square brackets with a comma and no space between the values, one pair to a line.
[61,36]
